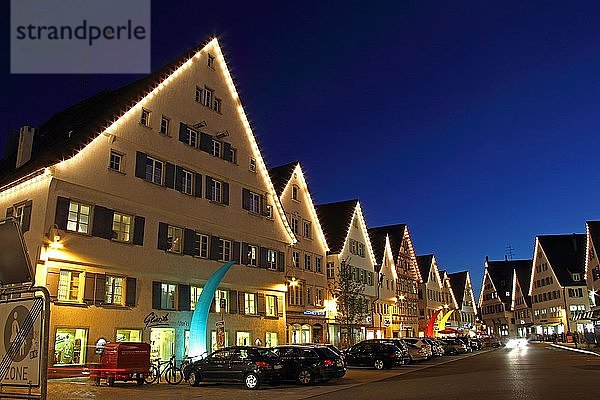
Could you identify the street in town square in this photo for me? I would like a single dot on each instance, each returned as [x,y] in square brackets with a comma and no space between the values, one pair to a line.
[535,371]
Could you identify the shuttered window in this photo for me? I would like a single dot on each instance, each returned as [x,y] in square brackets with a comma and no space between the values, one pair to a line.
[79,217]
[114,290]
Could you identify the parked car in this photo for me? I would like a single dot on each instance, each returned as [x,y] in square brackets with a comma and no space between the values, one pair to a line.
[249,365]
[405,359]
[453,346]
[377,355]
[467,342]
[307,364]
[436,347]
[420,344]
[415,352]
[476,344]
[330,347]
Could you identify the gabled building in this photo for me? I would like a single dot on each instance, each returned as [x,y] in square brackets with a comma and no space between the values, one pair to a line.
[495,301]
[431,291]
[405,320]
[592,266]
[558,288]
[348,241]
[305,267]
[521,301]
[451,311]
[460,282]
[131,199]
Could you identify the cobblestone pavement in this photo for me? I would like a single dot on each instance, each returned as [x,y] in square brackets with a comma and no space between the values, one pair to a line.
[82,388]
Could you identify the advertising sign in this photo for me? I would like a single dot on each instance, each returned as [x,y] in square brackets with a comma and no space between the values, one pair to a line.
[220,325]
[20,350]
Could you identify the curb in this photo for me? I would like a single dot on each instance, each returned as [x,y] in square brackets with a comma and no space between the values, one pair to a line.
[575,350]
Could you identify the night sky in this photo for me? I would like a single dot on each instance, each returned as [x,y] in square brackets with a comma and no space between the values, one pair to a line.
[474,122]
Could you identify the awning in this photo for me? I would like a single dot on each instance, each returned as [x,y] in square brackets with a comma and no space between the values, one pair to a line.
[449,331]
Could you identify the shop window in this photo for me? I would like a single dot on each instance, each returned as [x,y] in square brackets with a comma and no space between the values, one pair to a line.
[242,339]
[271,339]
[129,335]
[70,346]
[70,286]
[295,334]
[214,343]
[162,343]
[114,290]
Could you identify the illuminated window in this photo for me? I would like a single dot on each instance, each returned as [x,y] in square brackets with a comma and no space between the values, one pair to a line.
[250,303]
[195,293]
[271,305]
[167,296]
[319,296]
[242,339]
[129,335]
[201,245]
[224,250]
[221,294]
[271,259]
[252,255]
[70,346]
[271,339]
[145,117]
[70,286]
[174,239]
[121,227]
[295,259]
[154,170]
[164,125]
[114,290]
[79,217]
[186,182]
[115,161]
[330,270]
[214,343]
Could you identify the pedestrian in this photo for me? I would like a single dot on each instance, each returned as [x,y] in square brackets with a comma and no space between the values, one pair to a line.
[575,338]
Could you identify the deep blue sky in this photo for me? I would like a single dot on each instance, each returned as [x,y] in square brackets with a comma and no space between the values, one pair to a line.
[474,122]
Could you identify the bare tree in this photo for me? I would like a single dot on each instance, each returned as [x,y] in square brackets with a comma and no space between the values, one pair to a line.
[352,305]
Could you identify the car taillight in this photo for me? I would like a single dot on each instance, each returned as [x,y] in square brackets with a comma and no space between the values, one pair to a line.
[328,362]
[262,364]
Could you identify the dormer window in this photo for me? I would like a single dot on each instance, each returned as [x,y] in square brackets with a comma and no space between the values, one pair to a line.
[576,277]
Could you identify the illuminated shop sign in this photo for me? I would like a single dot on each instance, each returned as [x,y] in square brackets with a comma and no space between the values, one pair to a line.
[315,313]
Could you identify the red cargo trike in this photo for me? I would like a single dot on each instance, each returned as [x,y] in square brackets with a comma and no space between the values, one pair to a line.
[123,361]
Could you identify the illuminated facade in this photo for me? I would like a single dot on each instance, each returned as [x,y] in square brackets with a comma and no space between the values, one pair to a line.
[451,307]
[431,291]
[462,290]
[496,298]
[305,260]
[348,240]
[558,288]
[521,301]
[397,304]
[134,197]
[592,265]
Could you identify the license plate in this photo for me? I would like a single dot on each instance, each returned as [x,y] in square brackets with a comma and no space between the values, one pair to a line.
[277,366]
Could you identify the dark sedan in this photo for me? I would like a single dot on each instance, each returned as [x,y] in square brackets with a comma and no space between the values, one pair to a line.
[251,366]
[377,355]
[307,364]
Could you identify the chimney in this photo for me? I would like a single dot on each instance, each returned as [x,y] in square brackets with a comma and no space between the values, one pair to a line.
[25,144]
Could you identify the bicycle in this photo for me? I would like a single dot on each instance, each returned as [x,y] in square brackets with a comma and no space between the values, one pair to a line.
[169,369]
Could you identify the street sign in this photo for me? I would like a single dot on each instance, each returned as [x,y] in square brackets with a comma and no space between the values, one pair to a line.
[21,350]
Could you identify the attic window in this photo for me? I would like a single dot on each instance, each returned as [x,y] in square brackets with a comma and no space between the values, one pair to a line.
[295,192]
[576,277]
[211,61]
[252,165]
[145,117]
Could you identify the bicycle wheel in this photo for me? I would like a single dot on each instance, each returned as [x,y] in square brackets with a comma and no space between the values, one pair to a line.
[153,374]
[173,376]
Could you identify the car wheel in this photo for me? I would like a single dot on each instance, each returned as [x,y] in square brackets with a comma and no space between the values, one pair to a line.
[139,381]
[193,379]
[379,364]
[252,381]
[305,377]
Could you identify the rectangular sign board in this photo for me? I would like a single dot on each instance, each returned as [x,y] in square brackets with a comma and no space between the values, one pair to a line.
[15,267]
[21,344]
